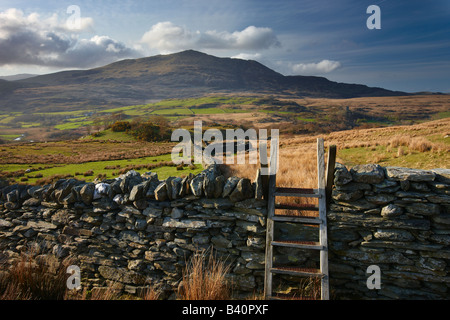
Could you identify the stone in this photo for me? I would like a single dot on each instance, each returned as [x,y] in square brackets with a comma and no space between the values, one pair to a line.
[177,213]
[242,191]
[221,242]
[391,210]
[158,256]
[245,282]
[229,186]
[201,239]
[347,196]
[378,257]
[104,205]
[12,196]
[209,182]
[197,185]
[130,236]
[161,192]
[174,188]
[188,224]
[442,175]
[87,193]
[381,199]
[100,190]
[394,235]
[361,204]
[439,198]
[354,186]
[152,212]
[341,175]
[32,202]
[41,225]
[221,204]
[138,192]
[368,173]
[386,184]
[136,265]
[442,219]
[256,242]
[140,224]
[416,175]
[5,224]
[432,264]
[425,209]
[219,183]
[129,180]
[185,185]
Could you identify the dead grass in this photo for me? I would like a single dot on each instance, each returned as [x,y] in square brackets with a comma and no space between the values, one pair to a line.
[35,277]
[205,279]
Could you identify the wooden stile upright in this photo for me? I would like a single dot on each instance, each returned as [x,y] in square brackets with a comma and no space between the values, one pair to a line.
[321,193]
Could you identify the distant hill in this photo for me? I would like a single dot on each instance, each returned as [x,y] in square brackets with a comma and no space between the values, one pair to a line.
[185,74]
[18,77]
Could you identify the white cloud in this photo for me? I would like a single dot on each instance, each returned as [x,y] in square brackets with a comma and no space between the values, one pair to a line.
[167,37]
[324,66]
[247,56]
[32,40]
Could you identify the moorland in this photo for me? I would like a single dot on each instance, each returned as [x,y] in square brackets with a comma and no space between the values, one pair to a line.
[66,124]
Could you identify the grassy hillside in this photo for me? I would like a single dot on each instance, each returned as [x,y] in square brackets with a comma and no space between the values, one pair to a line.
[296,116]
[421,146]
[424,146]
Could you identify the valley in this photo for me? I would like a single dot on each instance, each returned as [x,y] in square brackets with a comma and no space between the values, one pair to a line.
[61,125]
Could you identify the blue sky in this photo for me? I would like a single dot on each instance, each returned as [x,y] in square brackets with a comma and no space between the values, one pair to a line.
[411,51]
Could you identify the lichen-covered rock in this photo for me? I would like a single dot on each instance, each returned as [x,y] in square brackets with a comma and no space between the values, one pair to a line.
[229,186]
[197,185]
[161,192]
[391,211]
[87,193]
[242,191]
[368,173]
[341,175]
[398,173]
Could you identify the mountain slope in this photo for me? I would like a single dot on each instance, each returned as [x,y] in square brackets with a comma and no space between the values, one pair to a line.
[185,74]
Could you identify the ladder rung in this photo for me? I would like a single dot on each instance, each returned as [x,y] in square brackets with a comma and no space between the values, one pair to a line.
[299,244]
[299,207]
[296,192]
[299,219]
[295,271]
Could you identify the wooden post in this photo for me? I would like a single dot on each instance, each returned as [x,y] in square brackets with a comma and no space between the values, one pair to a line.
[331,163]
[322,216]
[272,185]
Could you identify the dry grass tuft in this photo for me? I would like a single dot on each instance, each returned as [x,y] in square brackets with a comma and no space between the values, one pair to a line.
[205,279]
[35,277]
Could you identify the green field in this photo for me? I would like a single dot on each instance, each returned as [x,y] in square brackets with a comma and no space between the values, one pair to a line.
[393,157]
[108,169]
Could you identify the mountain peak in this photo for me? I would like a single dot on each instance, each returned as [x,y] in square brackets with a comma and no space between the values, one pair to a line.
[179,75]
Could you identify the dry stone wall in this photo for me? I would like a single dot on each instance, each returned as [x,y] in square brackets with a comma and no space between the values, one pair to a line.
[397,219]
[138,231]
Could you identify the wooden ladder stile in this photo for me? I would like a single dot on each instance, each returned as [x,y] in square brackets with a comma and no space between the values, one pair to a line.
[322,193]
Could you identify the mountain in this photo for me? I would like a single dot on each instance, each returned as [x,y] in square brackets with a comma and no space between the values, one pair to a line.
[18,77]
[185,74]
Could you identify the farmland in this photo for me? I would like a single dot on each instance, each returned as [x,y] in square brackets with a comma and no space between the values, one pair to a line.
[81,143]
